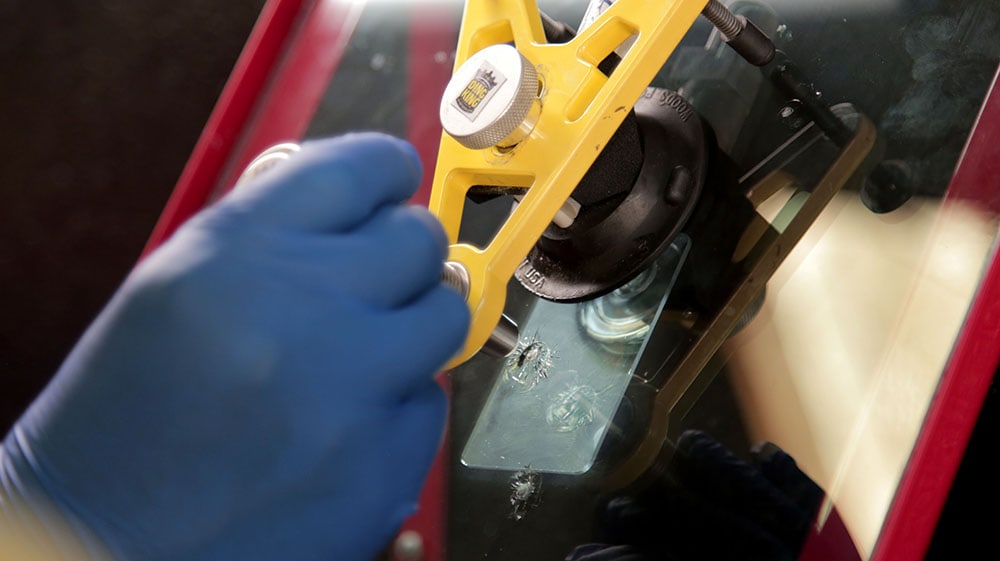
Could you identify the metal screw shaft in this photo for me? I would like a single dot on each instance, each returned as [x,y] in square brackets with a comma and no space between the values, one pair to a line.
[740,34]
[456,276]
[728,23]
[504,338]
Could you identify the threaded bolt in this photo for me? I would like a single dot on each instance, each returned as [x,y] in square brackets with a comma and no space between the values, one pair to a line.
[740,33]
[728,23]
[456,276]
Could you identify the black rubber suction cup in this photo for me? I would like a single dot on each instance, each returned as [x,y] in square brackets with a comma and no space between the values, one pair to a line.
[888,187]
[614,239]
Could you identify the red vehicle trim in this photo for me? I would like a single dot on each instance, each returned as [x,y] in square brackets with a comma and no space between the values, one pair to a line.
[292,52]
[228,118]
[287,105]
[433,34]
[932,467]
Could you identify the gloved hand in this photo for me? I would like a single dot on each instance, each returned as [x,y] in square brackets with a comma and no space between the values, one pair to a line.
[261,387]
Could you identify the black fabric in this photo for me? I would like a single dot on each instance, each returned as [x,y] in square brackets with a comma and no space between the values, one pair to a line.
[101,104]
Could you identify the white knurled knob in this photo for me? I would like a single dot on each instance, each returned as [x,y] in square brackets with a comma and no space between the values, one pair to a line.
[492,99]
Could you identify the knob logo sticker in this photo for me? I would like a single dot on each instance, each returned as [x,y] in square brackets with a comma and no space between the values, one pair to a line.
[478,91]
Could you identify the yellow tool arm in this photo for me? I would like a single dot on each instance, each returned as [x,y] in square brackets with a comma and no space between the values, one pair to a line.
[581,108]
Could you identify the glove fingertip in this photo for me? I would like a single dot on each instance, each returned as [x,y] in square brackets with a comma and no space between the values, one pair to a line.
[378,150]
[434,227]
[412,157]
[334,184]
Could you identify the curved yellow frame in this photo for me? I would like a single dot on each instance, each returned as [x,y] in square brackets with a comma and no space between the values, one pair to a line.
[581,110]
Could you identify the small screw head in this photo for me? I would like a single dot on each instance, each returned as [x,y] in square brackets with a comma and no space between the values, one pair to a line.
[791,115]
[409,546]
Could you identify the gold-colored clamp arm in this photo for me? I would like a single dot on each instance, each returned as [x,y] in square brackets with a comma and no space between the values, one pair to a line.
[581,108]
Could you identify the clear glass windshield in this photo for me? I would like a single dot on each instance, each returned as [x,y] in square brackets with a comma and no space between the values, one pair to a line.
[763,378]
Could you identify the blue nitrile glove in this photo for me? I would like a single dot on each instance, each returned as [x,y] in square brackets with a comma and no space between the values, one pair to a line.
[261,387]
